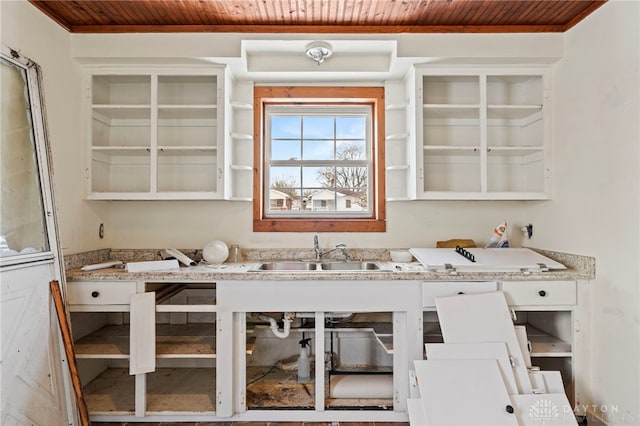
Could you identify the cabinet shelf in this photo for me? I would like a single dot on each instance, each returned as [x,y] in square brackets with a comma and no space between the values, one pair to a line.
[107,113]
[241,105]
[396,107]
[451,111]
[514,150]
[545,345]
[239,135]
[187,149]
[242,136]
[108,342]
[397,137]
[241,168]
[183,112]
[397,167]
[185,340]
[112,392]
[382,331]
[513,111]
[451,149]
[184,390]
[122,150]
[195,340]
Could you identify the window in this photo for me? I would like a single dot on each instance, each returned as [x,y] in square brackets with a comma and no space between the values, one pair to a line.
[320,159]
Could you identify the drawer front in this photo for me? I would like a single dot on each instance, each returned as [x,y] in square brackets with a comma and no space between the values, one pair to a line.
[431,290]
[540,292]
[100,292]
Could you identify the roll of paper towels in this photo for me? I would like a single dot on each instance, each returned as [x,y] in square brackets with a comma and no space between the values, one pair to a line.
[361,386]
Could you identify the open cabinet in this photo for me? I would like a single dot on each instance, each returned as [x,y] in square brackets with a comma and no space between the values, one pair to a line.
[146,349]
[483,133]
[155,133]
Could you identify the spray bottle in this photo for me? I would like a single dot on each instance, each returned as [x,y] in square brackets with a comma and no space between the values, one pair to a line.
[499,238]
[304,367]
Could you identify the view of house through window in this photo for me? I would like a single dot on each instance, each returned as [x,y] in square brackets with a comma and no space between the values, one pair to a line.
[318,160]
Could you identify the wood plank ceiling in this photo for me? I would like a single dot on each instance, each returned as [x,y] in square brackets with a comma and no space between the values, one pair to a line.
[317,16]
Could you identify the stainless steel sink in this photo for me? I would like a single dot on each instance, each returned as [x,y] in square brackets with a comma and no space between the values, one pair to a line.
[288,266]
[350,266]
[302,266]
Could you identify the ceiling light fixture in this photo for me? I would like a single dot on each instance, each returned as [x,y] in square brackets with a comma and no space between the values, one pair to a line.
[319,51]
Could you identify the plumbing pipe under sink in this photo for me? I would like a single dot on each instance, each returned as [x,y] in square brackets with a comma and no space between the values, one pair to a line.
[287,320]
[290,316]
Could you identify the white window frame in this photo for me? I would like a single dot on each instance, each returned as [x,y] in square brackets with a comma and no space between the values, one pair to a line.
[332,110]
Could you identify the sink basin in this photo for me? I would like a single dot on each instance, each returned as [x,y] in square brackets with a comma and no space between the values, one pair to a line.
[317,266]
[350,266]
[288,266]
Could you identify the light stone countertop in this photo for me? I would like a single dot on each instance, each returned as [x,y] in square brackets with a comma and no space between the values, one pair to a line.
[578,267]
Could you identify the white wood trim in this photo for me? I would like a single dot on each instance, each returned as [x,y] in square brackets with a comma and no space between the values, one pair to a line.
[319,354]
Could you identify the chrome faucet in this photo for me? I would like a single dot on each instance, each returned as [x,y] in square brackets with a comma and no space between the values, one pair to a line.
[316,248]
[343,247]
[319,253]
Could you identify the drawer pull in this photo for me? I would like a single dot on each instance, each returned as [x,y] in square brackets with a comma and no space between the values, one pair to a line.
[542,293]
[95,294]
[461,292]
[509,409]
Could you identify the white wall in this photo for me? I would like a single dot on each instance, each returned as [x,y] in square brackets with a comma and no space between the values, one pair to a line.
[596,207]
[193,224]
[37,37]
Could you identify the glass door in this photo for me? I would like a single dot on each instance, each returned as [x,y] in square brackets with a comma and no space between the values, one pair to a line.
[29,256]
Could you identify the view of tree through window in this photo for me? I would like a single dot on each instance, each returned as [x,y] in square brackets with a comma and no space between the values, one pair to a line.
[319,160]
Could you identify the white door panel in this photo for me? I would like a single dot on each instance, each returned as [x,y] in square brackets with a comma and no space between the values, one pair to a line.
[32,383]
[483,317]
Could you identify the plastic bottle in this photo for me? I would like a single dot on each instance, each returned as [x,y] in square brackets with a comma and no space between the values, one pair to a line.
[499,238]
[304,366]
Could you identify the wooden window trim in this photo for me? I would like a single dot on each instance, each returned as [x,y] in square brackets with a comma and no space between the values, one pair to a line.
[264,95]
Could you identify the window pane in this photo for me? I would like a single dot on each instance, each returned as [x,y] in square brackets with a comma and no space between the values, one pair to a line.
[318,150]
[286,150]
[284,199]
[351,177]
[351,127]
[351,150]
[285,127]
[318,127]
[316,177]
[284,177]
[322,200]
